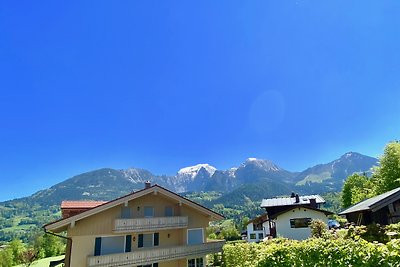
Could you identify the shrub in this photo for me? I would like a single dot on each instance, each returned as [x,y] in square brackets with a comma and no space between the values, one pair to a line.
[313,252]
[318,228]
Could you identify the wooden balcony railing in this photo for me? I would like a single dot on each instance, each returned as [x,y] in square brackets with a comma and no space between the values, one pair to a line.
[147,256]
[145,224]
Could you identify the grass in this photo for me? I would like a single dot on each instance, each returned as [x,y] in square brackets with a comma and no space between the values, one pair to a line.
[313,178]
[44,262]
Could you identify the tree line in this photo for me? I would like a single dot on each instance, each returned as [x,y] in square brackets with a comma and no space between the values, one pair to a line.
[42,246]
[385,177]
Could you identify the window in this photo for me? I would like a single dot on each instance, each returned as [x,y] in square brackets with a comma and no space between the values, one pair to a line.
[148,212]
[252,236]
[149,265]
[260,236]
[169,211]
[195,236]
[300,222]
[257,226]
[198,262]
[126,213]
[148,240]
[109,245]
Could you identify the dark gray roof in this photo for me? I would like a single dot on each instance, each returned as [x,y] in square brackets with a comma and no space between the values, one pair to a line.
[289,201]
[262,218]
[374,203]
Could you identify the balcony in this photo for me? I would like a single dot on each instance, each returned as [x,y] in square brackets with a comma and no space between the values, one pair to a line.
[148,256]
[146,224]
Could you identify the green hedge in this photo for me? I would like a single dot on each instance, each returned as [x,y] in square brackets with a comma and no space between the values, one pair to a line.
[313,252]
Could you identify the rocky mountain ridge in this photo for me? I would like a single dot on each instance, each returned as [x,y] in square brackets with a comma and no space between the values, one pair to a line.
[107,183]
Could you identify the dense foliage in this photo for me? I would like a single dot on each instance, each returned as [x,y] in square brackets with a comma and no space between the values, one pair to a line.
[388,174]
[333,201]
[384,178]
[42,246]
[357,188]
[224,230]
[22,220]
[312,252]
[318,228]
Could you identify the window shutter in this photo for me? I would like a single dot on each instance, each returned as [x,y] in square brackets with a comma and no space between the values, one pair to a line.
[156,239]
[140,244]
[128,243]
[97,246]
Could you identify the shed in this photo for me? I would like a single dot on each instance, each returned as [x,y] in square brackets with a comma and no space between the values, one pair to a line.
[383,209]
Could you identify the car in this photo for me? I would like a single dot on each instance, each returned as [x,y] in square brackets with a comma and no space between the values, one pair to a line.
[333,224]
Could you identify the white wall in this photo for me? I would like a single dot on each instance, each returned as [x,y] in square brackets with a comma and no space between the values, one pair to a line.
[250,231]
[283,228]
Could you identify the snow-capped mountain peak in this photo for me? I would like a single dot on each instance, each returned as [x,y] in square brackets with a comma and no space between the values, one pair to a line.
[262,163]
[193,170]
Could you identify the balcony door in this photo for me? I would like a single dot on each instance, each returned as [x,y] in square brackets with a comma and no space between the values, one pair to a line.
[148,212]
[169,211]
[126,213]
[149,240]
[112,244]
[195,236]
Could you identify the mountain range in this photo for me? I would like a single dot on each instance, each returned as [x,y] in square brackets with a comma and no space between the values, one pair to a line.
[234,192]
[105,184]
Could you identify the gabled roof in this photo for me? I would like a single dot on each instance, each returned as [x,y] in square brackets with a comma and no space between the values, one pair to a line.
[374,203]
[81,204]
[261,218]
[300,206]
[290,201]
[62,224]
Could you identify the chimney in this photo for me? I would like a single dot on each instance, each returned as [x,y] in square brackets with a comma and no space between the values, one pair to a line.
[292,195]
[313,203]
[147,184]
[297,198]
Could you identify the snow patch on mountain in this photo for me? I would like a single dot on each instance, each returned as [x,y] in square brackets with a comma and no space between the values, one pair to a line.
[261,163]
[193,170]
[133,175]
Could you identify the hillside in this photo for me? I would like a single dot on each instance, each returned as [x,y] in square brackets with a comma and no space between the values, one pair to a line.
[330,176]
[235,192]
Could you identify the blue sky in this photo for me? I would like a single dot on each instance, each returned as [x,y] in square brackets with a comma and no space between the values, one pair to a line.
[167,84]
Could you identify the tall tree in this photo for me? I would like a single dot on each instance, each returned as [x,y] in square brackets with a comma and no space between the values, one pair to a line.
[357,188]
[388,173]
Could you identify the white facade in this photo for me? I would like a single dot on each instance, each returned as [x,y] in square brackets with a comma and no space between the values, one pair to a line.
[257,235]
[293,223]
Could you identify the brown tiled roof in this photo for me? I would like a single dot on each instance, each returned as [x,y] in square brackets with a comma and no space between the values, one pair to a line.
[81,204]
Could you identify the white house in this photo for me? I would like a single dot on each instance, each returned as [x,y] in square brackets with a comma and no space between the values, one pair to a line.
[294,222]
[287,217]
[258,229]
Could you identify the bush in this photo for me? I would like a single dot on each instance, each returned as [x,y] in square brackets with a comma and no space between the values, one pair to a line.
[312,252]
[393,230]
[318,228]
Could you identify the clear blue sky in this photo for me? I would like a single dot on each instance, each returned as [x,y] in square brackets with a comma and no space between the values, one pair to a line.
[166,84]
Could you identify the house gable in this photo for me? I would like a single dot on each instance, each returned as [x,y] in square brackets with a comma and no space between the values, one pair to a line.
[111,210]
[286,225]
